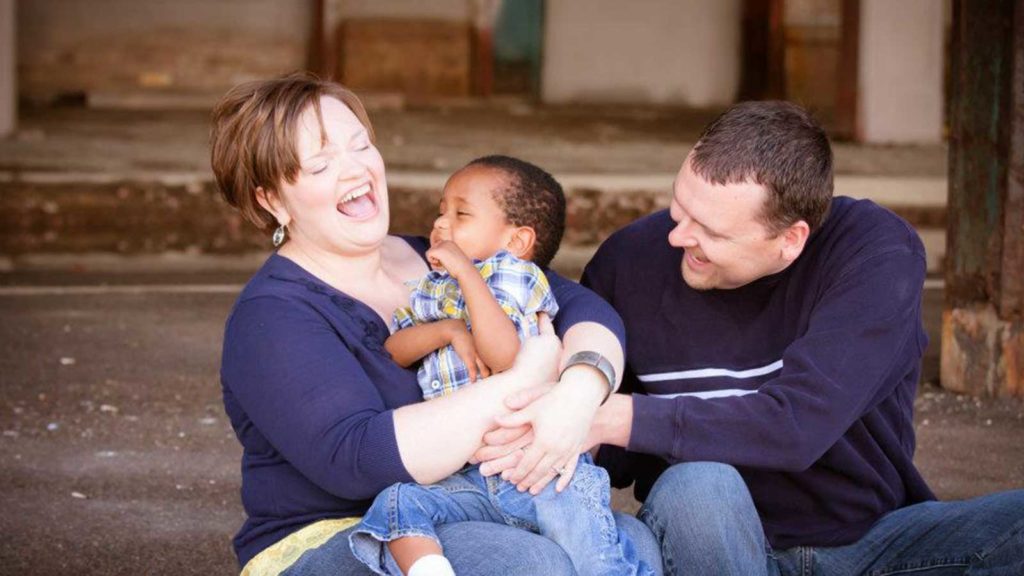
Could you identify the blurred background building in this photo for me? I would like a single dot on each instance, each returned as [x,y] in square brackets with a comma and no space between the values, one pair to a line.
[105,105]
[873,70]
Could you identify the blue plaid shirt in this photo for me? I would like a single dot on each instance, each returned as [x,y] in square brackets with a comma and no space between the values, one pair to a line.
[519,286]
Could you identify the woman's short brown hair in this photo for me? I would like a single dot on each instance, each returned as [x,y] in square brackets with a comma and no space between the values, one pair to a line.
[255,133]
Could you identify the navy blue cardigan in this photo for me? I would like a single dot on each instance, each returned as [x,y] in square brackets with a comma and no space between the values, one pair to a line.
[310,391]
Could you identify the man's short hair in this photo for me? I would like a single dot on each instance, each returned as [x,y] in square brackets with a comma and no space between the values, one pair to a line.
[774,144]
[532,198]
[255,134]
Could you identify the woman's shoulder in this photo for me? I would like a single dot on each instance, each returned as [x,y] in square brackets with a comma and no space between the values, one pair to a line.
[279,289]
[278,277]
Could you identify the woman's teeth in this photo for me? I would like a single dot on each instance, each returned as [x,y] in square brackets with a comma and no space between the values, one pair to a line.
[358,192]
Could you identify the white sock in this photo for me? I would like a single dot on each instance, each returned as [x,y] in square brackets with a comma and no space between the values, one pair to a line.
[431,565]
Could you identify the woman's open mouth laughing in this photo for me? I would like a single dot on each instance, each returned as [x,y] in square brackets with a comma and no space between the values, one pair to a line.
[360,203]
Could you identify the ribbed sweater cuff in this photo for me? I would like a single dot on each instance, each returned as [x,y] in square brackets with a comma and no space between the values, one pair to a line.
[654,426]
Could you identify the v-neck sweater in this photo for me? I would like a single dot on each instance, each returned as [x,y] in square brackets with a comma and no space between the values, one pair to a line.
[311,393]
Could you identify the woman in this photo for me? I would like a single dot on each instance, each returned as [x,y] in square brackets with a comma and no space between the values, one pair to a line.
[325,418]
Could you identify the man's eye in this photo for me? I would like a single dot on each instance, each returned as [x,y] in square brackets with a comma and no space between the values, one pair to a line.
[318,169]
[461,213]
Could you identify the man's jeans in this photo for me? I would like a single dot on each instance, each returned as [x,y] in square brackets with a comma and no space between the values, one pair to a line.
[579,519]
[705,520]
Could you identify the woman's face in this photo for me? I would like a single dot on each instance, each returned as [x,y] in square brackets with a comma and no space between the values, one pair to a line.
[339,201]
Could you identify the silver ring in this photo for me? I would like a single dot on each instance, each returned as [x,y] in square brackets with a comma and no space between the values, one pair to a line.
[559,471]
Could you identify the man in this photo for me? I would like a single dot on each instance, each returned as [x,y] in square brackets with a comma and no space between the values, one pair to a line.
[774,344]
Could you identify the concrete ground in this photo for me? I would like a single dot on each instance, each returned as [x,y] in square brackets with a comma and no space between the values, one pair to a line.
[115,454]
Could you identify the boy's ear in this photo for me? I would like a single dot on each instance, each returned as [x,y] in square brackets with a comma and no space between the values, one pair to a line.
[520,244]
[271,202]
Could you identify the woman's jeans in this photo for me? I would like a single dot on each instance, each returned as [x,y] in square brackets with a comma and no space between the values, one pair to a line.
[705,520]
[579,519]
[478,549]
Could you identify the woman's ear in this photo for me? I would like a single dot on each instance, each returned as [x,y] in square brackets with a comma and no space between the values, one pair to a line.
[271,202]
[521,243]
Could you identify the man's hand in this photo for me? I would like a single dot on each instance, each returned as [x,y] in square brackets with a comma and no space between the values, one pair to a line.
[446,255]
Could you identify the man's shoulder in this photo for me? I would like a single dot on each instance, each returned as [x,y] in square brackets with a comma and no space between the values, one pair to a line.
[857,237]
[866,228]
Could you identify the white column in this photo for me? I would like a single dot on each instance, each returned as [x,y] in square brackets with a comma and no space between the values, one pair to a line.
[8,67]
[900,96]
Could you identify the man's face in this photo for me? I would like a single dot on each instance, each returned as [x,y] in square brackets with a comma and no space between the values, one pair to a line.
[725,245]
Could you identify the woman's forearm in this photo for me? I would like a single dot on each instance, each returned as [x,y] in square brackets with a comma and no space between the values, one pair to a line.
[438,437]
[592,337]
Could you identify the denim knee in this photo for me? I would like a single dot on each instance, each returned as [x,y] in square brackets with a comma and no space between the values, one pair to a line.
[683,484]
[706,521]
[489,549]
[700,499]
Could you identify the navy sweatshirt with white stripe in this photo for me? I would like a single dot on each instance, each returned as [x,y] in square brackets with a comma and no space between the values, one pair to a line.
[803,380]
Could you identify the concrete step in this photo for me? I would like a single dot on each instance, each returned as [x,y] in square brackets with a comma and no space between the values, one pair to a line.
[153,212]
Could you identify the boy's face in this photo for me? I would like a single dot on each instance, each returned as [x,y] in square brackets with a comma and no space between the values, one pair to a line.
[469,215]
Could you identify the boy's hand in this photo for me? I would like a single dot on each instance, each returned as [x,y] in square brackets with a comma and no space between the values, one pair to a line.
[446,255]
[462,342]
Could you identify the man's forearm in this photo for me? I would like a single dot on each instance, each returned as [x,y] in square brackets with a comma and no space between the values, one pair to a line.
[592,337]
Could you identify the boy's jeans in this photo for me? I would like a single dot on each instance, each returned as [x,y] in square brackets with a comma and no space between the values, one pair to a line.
[702,514]
[579,519]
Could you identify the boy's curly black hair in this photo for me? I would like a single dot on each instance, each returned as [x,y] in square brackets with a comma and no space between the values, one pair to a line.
[532,198]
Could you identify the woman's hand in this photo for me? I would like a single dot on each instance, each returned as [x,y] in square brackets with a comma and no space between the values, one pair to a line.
[504,447]
[560,422]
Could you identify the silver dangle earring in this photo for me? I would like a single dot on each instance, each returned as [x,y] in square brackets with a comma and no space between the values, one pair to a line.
[278,237]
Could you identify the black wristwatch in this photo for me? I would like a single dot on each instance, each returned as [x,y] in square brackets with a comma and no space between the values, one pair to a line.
[597,361]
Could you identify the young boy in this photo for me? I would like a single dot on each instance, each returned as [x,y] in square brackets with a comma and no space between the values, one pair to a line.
[468,320]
